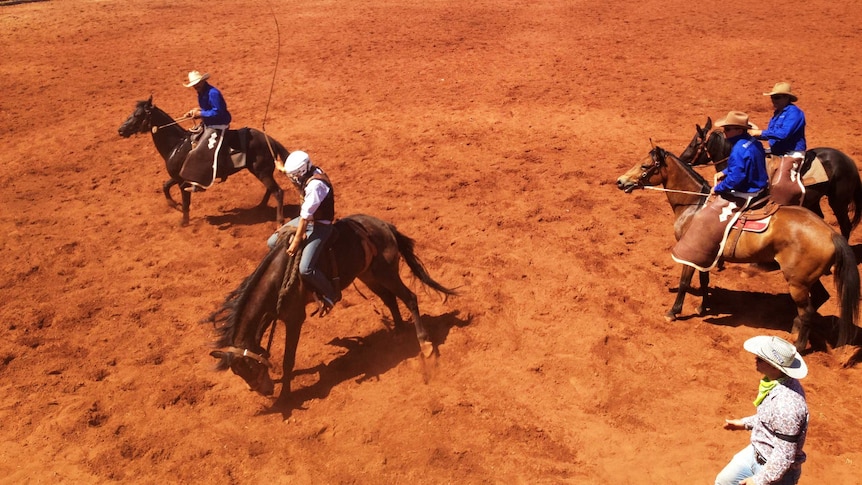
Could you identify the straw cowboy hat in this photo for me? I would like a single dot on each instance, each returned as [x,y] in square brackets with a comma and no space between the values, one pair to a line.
[782,88]
[779,353]
[196,77]
[736,118]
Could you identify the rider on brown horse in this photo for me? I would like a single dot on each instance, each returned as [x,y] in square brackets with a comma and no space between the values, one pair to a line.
[744,179]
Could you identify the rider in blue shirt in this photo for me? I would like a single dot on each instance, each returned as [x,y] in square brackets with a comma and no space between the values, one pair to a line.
[786,130]
[201,164]
[746,166]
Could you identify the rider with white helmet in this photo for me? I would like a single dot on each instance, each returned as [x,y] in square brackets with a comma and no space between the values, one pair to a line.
[314,224]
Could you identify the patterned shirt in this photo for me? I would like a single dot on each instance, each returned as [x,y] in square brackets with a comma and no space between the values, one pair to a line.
[778,430]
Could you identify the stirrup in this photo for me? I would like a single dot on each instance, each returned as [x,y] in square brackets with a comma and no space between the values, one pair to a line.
[324,305]
[194,187]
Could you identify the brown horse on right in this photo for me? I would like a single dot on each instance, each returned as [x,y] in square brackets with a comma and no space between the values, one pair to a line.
[803,245]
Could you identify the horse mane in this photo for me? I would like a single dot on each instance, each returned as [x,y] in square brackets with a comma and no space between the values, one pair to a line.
[705,186]
[225,319]
[717,137]
[160,117]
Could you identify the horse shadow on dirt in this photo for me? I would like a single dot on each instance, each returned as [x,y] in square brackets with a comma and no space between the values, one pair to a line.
[250,216]
[368,357]
[735,308]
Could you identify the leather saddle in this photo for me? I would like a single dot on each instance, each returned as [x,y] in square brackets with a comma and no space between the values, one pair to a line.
[236,141]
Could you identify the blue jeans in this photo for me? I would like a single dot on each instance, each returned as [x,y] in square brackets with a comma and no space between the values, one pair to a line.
[316,236]
[744,464]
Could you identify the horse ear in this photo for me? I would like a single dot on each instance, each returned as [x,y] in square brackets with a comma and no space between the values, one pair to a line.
[708,124]
[225,359]
[651,143]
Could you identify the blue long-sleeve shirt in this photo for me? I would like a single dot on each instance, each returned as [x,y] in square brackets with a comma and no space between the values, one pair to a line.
[786,130]
[213,106]
[746,167]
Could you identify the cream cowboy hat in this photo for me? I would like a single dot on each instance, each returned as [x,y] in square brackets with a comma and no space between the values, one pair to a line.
[196,77]
[782,88]
[779,353]
[736,118]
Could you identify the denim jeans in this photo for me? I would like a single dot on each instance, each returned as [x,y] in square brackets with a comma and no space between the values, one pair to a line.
[744,464]
[316,236]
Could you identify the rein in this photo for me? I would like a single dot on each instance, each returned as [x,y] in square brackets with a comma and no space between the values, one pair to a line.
[662,189]
[157,128]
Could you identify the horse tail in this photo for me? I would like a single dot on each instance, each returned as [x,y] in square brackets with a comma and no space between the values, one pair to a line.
[406,246]
[225,318]
[847,284]
[282,153]
[857,202]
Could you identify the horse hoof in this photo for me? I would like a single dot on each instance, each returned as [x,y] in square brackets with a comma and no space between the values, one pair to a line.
[427,349]
[670,317]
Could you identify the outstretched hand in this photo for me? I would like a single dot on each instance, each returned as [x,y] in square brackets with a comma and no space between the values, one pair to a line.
[734,424]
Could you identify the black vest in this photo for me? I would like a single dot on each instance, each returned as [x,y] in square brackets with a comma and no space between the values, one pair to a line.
[326,210]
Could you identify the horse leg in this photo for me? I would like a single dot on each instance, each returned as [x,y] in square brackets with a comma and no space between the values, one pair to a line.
[293,329]
[272,188]
[187,202]
[805,312]
[705,304]
[684,287]
[410,301]
[166,189]
[840,209]
[389,300]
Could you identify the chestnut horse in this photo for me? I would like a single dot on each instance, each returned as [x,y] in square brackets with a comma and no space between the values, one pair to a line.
[803,245]
[366,248]
[844,188]
[173,143]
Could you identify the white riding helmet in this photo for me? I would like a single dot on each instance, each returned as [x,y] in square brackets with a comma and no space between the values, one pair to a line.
[297,164]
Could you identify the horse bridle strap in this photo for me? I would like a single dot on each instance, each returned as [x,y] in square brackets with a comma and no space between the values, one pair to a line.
[251,355]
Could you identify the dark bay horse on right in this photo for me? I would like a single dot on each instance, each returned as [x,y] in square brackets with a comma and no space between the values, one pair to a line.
[365,248]
[842,190]
[804,246]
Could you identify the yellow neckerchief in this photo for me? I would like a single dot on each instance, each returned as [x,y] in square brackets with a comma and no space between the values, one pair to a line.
[766,385]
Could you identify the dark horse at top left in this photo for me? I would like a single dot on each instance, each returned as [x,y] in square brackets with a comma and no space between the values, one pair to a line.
[173,143]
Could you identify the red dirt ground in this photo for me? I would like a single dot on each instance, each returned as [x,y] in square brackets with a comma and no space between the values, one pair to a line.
[491,132]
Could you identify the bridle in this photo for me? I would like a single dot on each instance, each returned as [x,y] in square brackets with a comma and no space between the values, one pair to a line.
[259,358]
[652,169]
[702,148]
[657,163]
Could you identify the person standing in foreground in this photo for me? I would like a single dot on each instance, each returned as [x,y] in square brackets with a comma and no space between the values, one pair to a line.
[314,224]
[779,427]
[201,163]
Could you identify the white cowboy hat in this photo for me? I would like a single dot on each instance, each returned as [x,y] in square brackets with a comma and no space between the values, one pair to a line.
[782,88]
[779,353]
[736,118]
[196,77]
